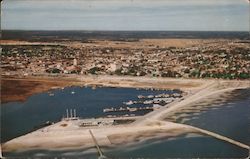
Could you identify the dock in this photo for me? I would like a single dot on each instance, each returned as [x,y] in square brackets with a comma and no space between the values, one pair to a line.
[128,109]
[164,95]
[97,146]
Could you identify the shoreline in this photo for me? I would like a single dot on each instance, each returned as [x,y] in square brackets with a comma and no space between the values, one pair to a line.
[27,86]
[113,136]
[107,136]
[19,89]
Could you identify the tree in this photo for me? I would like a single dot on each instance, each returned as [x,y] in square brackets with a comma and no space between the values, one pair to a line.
[94,70]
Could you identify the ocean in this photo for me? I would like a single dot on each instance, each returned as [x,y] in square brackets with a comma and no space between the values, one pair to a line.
[85,36]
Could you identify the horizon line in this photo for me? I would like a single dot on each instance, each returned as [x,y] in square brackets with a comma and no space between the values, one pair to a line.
[127,30]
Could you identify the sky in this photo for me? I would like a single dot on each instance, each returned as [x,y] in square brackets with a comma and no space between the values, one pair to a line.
[163,15]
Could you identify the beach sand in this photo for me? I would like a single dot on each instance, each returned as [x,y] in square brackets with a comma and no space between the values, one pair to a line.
[58,137]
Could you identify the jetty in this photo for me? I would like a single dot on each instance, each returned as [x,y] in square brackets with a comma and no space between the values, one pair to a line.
[97,146]
[223,138]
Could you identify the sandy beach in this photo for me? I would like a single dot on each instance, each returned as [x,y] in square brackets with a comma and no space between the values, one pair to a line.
[58,137]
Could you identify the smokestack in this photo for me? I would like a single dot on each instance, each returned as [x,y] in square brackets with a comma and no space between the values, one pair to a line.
[67,113]
[75,113]
[71,115]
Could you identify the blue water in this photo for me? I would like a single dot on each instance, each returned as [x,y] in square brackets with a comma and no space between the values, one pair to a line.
[19,118]
[182,147]
[230,117]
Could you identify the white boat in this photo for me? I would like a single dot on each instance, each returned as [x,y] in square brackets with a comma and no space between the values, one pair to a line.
[148,102]
[72,92]
[140,96]
[51,94]
[150,96]
[129,102]
[156,106]
[132,109]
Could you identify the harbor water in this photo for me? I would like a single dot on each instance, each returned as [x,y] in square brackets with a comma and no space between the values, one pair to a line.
[19,118]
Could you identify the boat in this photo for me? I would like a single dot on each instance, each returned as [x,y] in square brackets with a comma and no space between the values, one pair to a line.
[141,96]
[150,96]
[72,92]
[132,109]
[129,102]
[156,106]
[51,94]
[148,102]
[108,110]
[177,95]
[162,96]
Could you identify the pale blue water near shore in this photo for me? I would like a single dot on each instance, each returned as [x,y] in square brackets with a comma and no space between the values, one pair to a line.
[228,116]
[231,119]
[179,147]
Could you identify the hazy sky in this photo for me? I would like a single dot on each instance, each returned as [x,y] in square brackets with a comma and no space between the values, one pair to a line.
[220,15]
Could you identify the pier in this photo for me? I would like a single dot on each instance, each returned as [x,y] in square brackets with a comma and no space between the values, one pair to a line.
[97,146]
[175,95]
[129,109]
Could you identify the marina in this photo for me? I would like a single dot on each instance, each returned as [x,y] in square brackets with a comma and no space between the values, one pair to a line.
[43,107]
[150,103]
